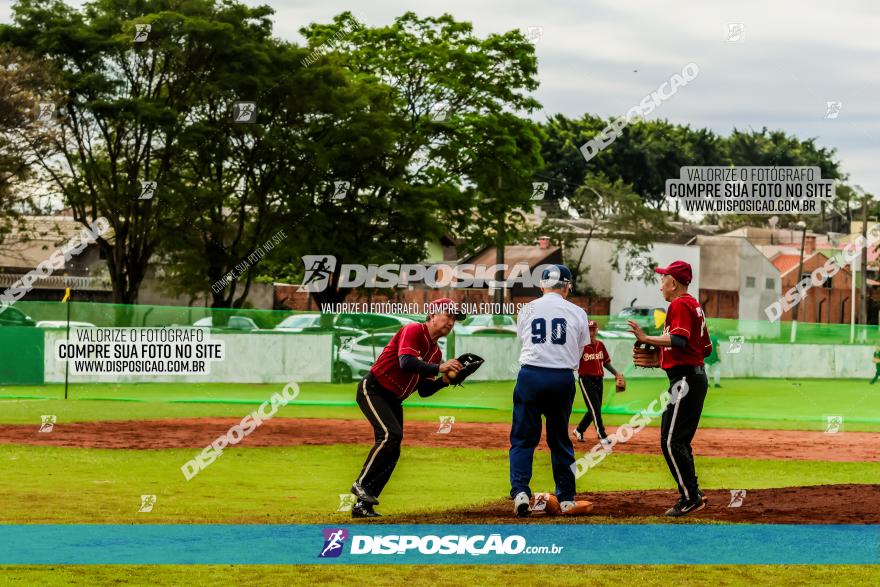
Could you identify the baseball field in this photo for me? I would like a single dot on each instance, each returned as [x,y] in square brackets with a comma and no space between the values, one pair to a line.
[765,453]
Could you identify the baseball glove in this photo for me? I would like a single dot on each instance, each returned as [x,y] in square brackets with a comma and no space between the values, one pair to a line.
[646,356]
[470,363]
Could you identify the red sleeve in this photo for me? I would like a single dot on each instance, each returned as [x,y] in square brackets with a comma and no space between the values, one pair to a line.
[678,319]
[411,341]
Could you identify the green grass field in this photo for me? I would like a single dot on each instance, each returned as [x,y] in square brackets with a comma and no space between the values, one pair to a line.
[302,484]
[434,575]
[740,403]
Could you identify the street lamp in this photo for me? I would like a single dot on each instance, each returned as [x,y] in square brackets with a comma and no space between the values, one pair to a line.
[794,314]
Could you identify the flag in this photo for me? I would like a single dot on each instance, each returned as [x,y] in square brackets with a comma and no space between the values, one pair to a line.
[66,295]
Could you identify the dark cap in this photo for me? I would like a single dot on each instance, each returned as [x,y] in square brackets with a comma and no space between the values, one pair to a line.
[555,276]
[679,270]
[446,306]
[593,324]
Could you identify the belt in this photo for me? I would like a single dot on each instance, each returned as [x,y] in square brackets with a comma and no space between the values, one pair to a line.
[372,384]
[686,370]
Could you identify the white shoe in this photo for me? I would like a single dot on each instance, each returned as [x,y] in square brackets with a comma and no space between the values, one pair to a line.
[606,444]
[578,434]
[521,505]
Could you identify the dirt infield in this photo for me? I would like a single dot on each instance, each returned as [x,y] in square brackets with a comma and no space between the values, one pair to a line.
[197,433]
[822,504]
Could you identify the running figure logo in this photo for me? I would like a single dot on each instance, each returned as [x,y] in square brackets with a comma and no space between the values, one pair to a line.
[334,540]
[48,423]
[141,32]
[148,190]
[446,423]
[147,503]
[319,270]
[737,496]
[736,344]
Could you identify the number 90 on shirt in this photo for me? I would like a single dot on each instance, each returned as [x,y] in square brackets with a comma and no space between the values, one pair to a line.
[557,331]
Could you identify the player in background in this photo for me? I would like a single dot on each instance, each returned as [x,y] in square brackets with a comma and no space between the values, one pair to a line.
[410,362]
[594,359]
[683,346]
[553,333]
[713,362]
[876,364]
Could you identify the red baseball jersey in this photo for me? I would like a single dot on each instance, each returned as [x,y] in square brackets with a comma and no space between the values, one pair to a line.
[685,317]
[412,339]
[593,360]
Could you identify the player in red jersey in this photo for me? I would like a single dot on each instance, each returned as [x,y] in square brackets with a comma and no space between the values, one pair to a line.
[594,359]
[683,346]
[410,362]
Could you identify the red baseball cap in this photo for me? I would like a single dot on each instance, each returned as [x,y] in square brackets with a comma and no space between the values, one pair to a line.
[593,324]
[446,306]
[679,270]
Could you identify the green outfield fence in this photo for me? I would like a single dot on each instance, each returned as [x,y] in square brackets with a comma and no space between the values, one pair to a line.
[22,336]
[821,374]
[121,315]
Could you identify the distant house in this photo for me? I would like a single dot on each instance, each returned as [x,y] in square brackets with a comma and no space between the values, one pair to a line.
[830,303]
[738,280]
[531,255]
[627,286]
[32,240]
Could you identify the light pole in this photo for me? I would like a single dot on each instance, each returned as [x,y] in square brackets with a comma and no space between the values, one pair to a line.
[794,314]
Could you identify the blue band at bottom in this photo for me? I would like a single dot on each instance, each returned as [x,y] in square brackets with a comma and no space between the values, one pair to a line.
[440,544]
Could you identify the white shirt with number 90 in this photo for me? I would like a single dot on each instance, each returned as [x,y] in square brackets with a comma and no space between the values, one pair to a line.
[553,333]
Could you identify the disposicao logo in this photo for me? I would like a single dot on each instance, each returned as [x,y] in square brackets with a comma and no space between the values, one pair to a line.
[334,540]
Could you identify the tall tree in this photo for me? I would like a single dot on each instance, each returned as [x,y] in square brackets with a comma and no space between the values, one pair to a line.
[451,93]
[130,72]
[27,121]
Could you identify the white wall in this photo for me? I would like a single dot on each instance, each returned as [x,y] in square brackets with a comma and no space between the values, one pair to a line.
[596,265]
[648,294]
[279,358]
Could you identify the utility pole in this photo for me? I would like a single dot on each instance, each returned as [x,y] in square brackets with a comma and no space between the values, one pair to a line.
[499,253]
[794,312]
[863,289]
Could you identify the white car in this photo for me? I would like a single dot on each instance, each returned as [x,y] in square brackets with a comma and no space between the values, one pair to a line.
[63,324]
[486,323]
[298,322]
[235,323]
[357,355]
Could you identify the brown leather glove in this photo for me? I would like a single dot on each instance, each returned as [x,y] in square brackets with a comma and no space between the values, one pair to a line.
[646,356]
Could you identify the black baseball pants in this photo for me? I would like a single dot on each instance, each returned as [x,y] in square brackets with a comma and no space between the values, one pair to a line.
[384,410]
[687,388]
[591,390]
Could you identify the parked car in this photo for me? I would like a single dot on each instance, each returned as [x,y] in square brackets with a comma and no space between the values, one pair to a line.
[357,355]
[650,318]
[299,323]
[373,322]
[11,316]
[486,323]
[237,323]
[63,324]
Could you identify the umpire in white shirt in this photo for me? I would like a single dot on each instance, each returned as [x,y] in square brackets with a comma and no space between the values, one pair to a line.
[553,333]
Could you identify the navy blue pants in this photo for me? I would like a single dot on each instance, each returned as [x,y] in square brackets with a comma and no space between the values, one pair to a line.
[549,393]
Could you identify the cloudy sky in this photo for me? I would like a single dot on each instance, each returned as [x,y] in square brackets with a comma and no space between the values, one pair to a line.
[602,56]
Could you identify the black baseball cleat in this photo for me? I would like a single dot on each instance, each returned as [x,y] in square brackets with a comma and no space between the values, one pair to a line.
[364,510]
[684,506]
[363,495]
